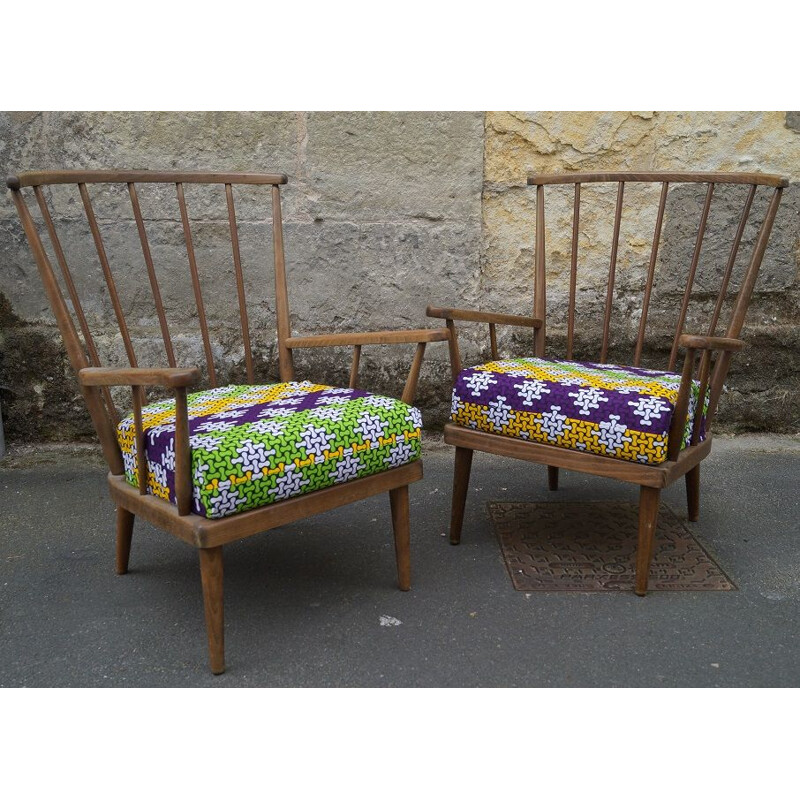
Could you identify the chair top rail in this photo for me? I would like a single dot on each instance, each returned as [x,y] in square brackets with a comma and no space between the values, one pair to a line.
[757,178]
[48,178]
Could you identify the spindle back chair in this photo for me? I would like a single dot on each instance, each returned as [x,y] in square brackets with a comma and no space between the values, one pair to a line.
[180,518]
[690,394]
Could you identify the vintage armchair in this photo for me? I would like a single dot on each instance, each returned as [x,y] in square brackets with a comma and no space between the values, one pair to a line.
[646,427]
[230,461]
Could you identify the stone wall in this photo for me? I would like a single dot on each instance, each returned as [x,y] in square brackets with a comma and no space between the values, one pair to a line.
[763,387]
[384,212]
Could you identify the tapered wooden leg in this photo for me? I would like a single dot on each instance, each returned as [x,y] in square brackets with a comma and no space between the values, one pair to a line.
[552,478]
[211,576]
[398,498]
[648,517]
[460,485]
[124,535]
[693,493]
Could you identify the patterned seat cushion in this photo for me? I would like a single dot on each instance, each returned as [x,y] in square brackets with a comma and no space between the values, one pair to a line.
[255,445]
[622,412]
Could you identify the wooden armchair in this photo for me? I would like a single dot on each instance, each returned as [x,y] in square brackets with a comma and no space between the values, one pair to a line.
[229,461]
[646,427]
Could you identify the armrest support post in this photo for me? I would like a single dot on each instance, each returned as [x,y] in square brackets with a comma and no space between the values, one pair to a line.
[183,454]
[410,389]
[449,315]
[420,337]
[354,366]
[455,355]
[681,412]
[173,378]
[141,461]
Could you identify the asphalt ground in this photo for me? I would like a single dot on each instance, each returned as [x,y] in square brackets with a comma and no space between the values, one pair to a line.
[314,604]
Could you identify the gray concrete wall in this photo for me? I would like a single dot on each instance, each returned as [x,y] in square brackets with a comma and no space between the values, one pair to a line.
[384,212]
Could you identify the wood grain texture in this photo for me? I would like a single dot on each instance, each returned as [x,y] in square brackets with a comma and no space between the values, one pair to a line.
[612,269]
[151,274]
[237,267]
[470,315]
[540,275]
[49,177]
[757,178]
[211,576]
[125,522]
[398,499]
[658,476]
[202,532]
[693,493]
[102,418]
[649,500]
[463,466]
[169,377]
[710,342]
[285,358]
[88,339]
[366,338]
[107,274]
[701,229]
[651,268]
[198,292]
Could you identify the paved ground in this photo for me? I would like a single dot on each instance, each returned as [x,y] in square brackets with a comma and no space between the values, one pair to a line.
[304,603]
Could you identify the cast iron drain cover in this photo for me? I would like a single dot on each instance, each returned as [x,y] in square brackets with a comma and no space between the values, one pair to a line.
[591,547]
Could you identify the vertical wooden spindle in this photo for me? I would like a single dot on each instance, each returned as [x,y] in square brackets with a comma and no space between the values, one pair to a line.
[94,358]
[690,278]
[285,360]
[101,416]
[237,266]
[731,261]
[452,344]
[742,302]
[112,288]
[151,274]
[540,280]
[612,273]
[648,287]
[198,295]
[573,270]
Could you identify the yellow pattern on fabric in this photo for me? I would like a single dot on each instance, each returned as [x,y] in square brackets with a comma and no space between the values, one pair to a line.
[576,434]
[587,376]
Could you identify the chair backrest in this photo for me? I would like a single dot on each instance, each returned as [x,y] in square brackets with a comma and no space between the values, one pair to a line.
[558,242]
[66,197]
[670,316]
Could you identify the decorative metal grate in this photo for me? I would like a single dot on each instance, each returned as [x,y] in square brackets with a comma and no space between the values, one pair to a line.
[591,547]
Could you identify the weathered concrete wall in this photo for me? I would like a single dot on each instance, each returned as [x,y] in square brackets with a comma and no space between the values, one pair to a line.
[384,212]
[764,381]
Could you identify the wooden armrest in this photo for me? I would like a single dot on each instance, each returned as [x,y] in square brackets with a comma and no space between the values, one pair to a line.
[710,343]
[370,337]
[468,315]
[171,377]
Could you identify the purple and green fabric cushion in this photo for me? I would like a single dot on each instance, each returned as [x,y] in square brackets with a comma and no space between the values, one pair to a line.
[621,412]
[256,445]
